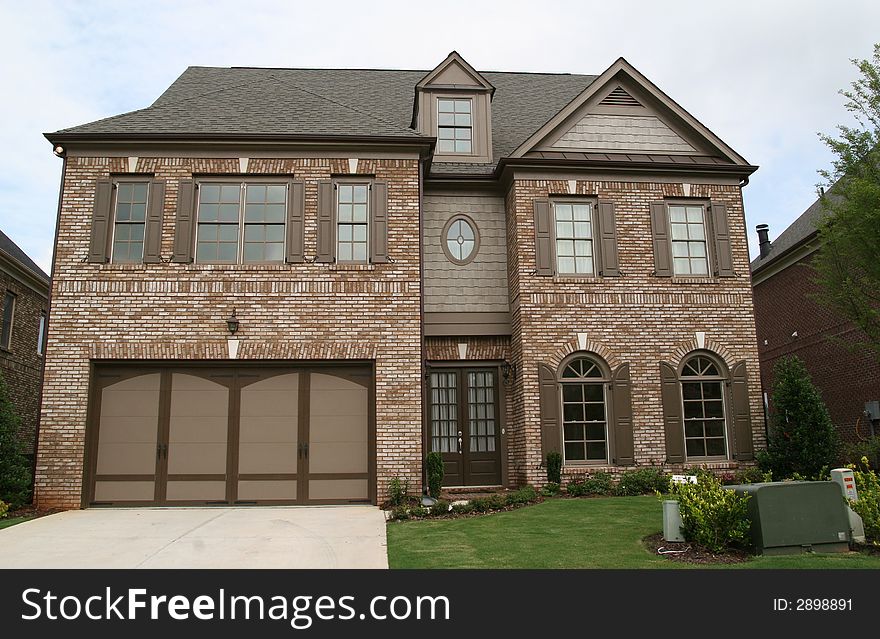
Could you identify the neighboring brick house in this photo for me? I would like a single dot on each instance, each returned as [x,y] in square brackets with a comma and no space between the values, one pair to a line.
[790,321]
[289,285]
[24,288]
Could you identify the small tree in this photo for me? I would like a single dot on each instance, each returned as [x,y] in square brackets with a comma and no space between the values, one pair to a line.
[802,438]
[434,464]
[15,469]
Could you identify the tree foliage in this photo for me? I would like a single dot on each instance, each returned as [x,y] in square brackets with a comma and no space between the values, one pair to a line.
[802,438]
[848,260]
[15,470]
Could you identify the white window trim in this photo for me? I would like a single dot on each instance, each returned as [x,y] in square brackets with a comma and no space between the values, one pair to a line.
[472,127]
[707,239]
[115,209]
[367,224]
[592,203]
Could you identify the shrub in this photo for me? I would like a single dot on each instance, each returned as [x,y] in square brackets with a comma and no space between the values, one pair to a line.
[463,508]
[752,475]
[397,491]
[525,495]
[868,505]
[802,438]
[440,508]
[15,469]
[554,467]
[551,489]
[4,508]
[712,516]
[434,463]
[852,453]
[486,504]
[400,513]
[595,484]
[643,481]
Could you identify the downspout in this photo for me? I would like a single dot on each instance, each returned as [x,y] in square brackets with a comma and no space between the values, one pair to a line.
[423,369]
[46,328]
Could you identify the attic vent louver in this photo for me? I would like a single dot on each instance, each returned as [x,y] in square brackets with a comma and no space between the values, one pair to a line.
[619,97]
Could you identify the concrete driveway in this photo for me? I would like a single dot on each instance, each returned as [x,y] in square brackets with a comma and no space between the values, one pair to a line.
[265,537]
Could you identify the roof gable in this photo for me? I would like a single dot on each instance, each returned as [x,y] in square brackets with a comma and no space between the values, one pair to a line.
[622,111]
[455,72]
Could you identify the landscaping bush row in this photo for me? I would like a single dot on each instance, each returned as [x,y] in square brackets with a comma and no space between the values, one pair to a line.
[642,481]
[492,503]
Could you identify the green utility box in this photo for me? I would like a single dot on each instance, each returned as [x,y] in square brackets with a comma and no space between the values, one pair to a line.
[793,517]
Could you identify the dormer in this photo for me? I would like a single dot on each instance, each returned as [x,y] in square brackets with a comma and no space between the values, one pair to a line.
[453,103]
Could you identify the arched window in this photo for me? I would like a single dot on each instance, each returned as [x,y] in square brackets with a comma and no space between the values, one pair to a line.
[702,394]
[584,411]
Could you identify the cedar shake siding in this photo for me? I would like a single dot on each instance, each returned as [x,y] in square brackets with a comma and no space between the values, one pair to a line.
[466,349]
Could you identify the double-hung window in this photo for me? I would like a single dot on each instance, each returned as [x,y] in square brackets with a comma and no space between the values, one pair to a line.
[687,224]
[454,125]
[352,222]
[129,222]
[8,314]
[574,238]
[240,223]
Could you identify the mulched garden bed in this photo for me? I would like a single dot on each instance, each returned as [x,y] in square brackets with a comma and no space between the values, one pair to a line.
[689,553]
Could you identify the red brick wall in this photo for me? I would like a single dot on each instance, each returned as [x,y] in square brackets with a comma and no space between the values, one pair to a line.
[637,318]
[20,365]
[847,375]
[177,311]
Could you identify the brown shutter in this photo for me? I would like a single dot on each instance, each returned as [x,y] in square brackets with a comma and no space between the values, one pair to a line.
[543,237]
[660,232]
[608,240]
[100,221]
[551,439]
[326,229]
[184,223]
[296,203]
[622,453]
[672,418]
[153,229]
[742,419]
[721,236]
[379,223]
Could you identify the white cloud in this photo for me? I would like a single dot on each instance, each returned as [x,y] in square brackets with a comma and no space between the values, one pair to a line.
[762,75]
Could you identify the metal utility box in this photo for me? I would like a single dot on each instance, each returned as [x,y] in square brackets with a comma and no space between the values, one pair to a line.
[794,517]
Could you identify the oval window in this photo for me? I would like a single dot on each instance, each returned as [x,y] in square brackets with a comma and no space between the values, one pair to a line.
[460,240]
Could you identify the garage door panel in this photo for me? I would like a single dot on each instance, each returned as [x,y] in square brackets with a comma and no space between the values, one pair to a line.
[125,490]
[339,402]
[267,490]
[338,458]
[342,489]
[122,403]
[267,457]
[126,458]
[339,428]
[119,430]
[197,458]
[196,491]
[198,429]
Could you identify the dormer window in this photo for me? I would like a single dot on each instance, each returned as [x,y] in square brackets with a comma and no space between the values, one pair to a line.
[454,126]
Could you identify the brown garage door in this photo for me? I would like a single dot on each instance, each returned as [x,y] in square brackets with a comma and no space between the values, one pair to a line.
[196,435]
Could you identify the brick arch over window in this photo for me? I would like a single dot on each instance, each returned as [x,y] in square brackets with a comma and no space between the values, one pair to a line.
[585,347]
[688,348]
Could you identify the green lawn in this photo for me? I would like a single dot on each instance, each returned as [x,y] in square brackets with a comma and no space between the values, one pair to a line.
[11,521]
[564,533]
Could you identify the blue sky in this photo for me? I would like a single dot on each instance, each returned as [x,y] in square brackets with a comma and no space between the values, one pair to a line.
[764,76]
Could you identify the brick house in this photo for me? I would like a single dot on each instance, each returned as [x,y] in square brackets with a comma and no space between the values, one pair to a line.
[24,288]
[790,321]
[289,285]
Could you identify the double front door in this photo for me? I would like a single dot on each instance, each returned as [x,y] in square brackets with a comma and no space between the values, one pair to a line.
[464,424]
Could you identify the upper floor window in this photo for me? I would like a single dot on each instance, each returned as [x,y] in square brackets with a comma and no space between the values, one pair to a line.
[574,238]
[352,222]
[454,126]
[240,223]
[584,416]
[702,393]
[8,314]
[129,221]
[41,335]
[687,225]
[461,240]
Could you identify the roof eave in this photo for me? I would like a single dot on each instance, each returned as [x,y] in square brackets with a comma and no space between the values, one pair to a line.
[775,258]
[738,170]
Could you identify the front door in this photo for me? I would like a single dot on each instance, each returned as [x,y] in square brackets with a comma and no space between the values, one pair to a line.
[464,425]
